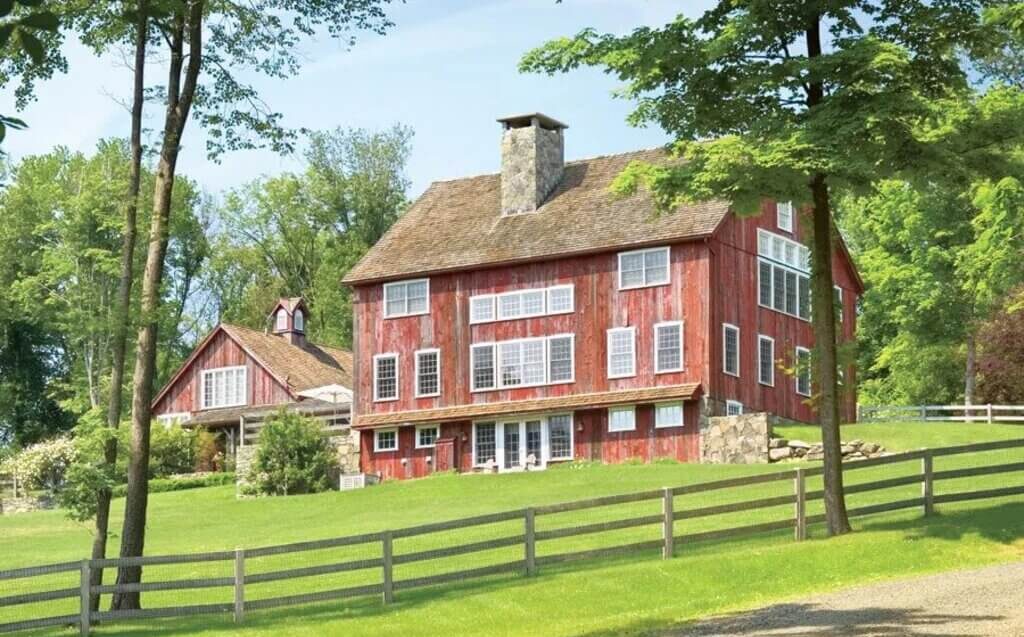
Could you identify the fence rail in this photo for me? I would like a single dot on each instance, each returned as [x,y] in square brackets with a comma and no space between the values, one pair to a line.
[948,413]
[797,520]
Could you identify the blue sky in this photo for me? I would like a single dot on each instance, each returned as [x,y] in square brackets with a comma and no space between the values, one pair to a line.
[447,70]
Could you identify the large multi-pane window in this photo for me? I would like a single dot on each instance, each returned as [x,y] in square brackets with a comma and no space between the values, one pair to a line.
[518,304]
[385,377]
[428,372]
[406,298]
[803,371]
[224,387]
[621,352]
[518,443]
[523,362]
[783,275]
[731,349]
[766,360]
[560,437]
[643,268]
[668,347]
[485,445]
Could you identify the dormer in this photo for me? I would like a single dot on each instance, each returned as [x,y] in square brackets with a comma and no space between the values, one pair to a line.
[289,320]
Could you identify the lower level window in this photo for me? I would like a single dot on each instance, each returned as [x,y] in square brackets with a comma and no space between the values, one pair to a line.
[622,418]
[426,437]
[385,440]
[560,437]
[733,408]
[668,415]
[516,444]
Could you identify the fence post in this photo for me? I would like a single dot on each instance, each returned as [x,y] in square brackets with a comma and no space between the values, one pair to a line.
[667,524]
[529,541]
[989,412]
[239,585]
[800,490]
[86,598]
[927,486]
[386,552]
[924,412]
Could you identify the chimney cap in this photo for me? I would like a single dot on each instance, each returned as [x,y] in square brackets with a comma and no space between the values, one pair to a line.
[526,119]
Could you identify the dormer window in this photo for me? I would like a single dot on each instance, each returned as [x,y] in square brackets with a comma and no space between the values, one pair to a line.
[281,322]
[300,321]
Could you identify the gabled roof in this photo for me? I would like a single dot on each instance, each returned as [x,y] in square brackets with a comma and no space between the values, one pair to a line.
[296,367]
[458,224]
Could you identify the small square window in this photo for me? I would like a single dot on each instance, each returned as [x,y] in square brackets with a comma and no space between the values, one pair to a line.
[481,308]
[385,440]
[733,408]
[622,418]
[426,436]
[668,415]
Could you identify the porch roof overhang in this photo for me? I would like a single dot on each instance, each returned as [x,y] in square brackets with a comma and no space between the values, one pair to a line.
[475,411]
[232,415]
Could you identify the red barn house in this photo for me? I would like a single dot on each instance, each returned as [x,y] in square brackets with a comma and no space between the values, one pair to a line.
[513,320]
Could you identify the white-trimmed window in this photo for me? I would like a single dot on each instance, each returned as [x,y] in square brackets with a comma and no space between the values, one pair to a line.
[281,320]
[385,377]
[521,304]
[406,298]
[525,362]
[838,300]
[511,443]
[668,414]
[733,408]
[766,360]
[643,268]
[485,443]
[481,308]
[426,436]
[299,320]
[803,371]
[385,439]
[224,387]
[561,299]
[169,420]
[784,215]
[560,437]
[783,275]
[428,373]
[622,418]
[621,352]
[730,349]
[668,347]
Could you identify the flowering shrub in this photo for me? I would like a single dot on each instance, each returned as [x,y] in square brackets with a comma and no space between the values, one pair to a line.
[42,465]
[292,456]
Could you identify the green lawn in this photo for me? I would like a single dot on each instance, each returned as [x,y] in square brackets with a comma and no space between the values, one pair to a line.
[908,436]
[638,594]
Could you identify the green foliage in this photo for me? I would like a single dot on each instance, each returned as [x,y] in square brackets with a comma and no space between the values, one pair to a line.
[292,456]
[164,485]
[42,465]
[171,450]
[89,473]
[22,23]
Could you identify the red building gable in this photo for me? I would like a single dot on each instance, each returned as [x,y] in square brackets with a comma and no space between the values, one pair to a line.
[531,317]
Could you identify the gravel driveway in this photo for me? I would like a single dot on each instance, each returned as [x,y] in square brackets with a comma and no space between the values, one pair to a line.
[988,601]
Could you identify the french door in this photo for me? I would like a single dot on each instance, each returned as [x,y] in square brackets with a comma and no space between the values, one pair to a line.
[522,445]
[518,444]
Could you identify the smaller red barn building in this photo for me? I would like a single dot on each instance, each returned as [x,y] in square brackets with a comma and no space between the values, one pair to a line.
[514,320]
[237,376]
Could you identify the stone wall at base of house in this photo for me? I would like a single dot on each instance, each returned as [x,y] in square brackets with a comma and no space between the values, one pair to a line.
[346,445]
[739,439]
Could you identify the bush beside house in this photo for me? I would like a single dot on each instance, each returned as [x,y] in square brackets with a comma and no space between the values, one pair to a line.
[292,456]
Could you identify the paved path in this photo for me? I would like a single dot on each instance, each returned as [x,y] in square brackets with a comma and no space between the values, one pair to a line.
[975,603]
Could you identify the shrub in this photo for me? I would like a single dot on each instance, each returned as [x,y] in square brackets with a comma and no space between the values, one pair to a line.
[89,473]
[163,485]
[208,456]
[42,465]
[171,450]
[292,456]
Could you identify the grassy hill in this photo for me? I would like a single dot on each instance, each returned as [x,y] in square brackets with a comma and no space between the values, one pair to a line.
[633,595]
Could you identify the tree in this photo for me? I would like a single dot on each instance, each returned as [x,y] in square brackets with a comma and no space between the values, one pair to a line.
[22,22]
[799,101]
[206,75]
[1001,354]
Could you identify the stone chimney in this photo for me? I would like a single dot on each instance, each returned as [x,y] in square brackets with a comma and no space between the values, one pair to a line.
[532,158]
[289,320]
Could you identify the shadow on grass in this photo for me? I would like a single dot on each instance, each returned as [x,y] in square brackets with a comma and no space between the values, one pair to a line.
[1002,523]
[811,620]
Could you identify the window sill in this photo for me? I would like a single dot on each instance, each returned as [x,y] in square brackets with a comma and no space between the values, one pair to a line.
[644,286]
[398,316]
[670,371]
[679,426]
[620,376]
[386,400]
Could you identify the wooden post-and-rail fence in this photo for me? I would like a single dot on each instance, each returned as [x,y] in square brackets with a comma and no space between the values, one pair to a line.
[942,413]
[529,539]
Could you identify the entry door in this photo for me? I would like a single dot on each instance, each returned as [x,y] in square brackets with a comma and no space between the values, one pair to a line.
[511,445]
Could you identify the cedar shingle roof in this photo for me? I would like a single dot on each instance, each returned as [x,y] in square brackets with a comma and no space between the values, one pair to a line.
[458,224]
[573,401]
[302,367]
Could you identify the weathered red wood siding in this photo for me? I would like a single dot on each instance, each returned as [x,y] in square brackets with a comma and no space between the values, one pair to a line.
[599,305]
[221,351]
[734,275]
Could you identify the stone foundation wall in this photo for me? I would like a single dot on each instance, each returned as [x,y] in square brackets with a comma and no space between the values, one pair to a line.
[736,439]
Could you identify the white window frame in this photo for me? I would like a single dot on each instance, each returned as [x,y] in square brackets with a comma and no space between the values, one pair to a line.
[546,437]
[547,359]
[725,352]
[437,435]
[789,214]
[494,300]
[281,320]
[839,310]
[673,403]
[572,299]
[668,268]
[175,418]
[376,393]
[472,366]
[395,284]
[376,440]
[760,361]
[657,327]
[483,298]
[521,293]
[520,421]
[242,400]
[299,320]
[734,406]
[416,359]
[810,376]
[498,442]
[608,346]
[495,347]
[621,409]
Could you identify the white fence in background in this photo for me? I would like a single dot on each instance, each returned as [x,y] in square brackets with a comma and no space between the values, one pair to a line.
[950,413]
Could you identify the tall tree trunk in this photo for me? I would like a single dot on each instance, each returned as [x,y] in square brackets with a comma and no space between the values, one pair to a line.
[971,368]
[824,320]
[180,93]
[122,304]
